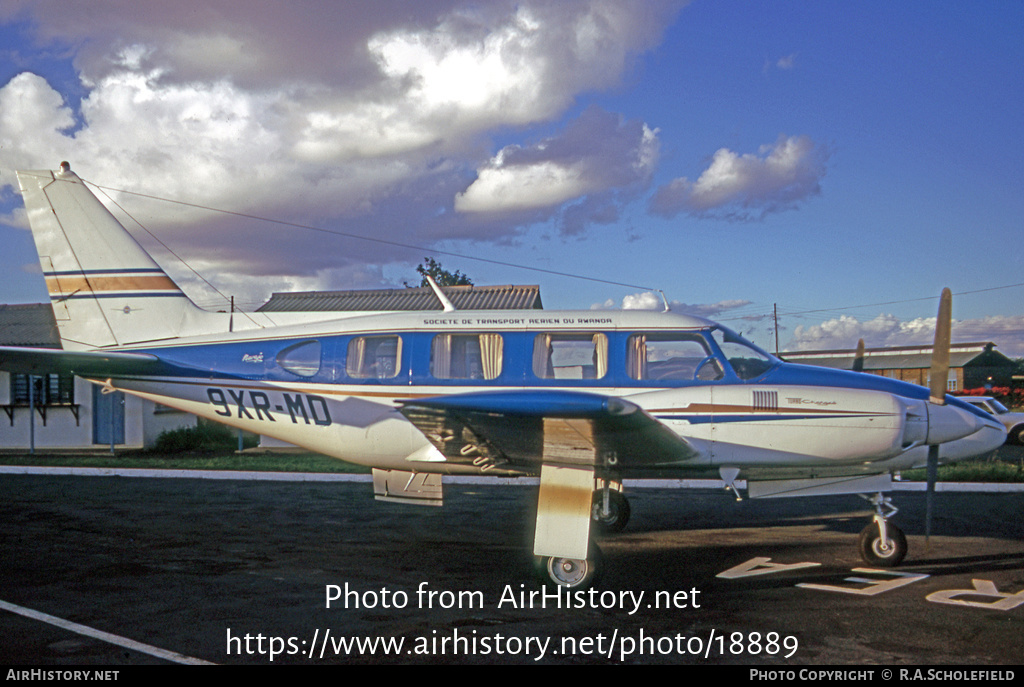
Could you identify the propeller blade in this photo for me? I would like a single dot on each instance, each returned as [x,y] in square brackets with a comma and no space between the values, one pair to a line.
[937,389]
[932,474]
[940,351]
[858,358]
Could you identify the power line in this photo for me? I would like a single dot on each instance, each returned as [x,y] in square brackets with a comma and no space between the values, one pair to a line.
[182,260]
[908,300]
[371,239]
[839,309]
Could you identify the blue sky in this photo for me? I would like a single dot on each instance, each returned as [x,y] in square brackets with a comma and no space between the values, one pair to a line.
[844,162]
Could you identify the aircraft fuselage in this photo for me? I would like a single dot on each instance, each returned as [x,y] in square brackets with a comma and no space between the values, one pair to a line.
[333,387]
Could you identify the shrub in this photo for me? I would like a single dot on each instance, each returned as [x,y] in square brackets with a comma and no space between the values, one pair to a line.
[205,436]
[1012,397]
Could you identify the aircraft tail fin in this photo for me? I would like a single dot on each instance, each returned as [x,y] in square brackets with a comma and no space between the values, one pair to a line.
[104,288]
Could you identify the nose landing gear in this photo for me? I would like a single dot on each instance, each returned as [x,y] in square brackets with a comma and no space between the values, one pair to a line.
[881,543]
[610,510]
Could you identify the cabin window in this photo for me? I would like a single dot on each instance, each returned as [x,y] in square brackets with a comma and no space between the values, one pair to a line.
[466,356]
[302,359]
[671,357]
[746,361]
[373,357]
[570,356]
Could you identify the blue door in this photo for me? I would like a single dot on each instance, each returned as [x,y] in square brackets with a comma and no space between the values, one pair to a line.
[107,417]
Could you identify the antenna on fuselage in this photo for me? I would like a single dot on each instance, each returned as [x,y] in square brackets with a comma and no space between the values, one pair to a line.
[664,300]
[447,304]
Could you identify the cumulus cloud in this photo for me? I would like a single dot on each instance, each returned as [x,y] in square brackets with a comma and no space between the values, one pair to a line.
[32,111]
[597,152]
[651,300]
[372,118]
[887,330]
[748,186]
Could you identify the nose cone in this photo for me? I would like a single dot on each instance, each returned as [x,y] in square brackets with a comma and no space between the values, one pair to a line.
[951,422]
[984,441]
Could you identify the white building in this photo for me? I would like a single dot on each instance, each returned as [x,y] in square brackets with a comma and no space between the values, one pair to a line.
[61,412]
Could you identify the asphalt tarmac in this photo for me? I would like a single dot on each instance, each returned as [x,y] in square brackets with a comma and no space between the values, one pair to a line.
[240,572]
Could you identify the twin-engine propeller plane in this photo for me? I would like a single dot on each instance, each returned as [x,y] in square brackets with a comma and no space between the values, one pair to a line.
[581,399]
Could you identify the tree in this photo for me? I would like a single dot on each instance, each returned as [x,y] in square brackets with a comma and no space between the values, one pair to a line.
[432,268]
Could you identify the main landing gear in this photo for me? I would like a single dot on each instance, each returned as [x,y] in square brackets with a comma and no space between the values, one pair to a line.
[571,573]
[609,513]
[610,510]
[881,543]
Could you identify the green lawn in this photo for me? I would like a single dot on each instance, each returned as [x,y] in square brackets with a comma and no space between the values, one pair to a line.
[259,462]
[977,471]
[971,471]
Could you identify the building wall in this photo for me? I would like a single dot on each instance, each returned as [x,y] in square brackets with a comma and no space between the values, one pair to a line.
[143,422]
[921,376]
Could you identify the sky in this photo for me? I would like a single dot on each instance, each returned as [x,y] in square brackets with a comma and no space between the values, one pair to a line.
[837,164]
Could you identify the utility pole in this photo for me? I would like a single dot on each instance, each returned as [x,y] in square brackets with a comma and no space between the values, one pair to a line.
[775,312]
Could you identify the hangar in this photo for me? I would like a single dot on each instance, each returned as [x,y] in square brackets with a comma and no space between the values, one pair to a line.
[508,297]
[971,365]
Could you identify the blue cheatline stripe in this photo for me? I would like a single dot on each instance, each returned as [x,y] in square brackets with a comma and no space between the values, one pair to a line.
[704,419]
[120,294]
[124,270]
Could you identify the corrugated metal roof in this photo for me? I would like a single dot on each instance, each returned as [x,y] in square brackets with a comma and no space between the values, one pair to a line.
[508,297]
[895,358]
[29,324]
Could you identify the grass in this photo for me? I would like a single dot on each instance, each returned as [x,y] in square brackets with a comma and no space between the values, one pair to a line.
[1007,465]
[977,471]
[196,460]
[204,446]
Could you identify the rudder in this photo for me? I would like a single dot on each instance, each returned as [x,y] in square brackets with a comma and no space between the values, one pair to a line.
[104,287]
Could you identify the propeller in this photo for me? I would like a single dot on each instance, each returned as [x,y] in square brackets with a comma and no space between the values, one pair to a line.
[858,358]
[937,388]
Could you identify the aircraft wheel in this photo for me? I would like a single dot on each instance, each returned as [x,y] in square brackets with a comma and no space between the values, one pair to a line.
[571,573]
[1017,435]
[618,511]
[886,554]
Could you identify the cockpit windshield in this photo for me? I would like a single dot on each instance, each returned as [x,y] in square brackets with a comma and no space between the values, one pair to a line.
[747,360]
[999,407]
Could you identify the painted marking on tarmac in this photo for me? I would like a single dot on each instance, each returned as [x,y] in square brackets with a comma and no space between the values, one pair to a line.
[104,636]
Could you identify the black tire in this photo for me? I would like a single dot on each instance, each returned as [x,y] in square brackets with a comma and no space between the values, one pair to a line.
[875,553]
[571,573]
[618,515]
[1016,435]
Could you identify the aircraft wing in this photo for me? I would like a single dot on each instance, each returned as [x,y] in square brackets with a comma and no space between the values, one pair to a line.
[528,429]
[81,363]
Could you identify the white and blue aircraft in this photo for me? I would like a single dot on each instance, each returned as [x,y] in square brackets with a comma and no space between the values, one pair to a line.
[582,399]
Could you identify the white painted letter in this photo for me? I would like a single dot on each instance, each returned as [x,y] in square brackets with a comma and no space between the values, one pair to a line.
[876,586]
[981,588]
[761,566]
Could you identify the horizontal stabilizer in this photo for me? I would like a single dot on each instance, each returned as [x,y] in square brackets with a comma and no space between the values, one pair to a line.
[82,363]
